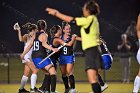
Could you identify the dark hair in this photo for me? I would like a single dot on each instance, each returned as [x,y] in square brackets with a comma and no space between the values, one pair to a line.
[29,27]
[64,24]
[54,30]
[41,25]
[93,7]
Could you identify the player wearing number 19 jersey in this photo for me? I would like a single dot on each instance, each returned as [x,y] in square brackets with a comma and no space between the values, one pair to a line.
[39,46]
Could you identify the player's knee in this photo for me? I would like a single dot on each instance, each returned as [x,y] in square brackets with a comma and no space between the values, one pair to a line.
[52,71]
[26,73]
[35,71]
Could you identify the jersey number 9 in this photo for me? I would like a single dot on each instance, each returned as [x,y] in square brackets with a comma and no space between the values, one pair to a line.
[65,50]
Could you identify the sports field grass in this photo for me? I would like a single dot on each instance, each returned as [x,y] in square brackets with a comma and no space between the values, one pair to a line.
[81,88]
[16,70]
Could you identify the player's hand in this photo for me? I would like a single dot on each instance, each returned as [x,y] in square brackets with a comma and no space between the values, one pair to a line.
[16,27]
[55,49]
[74,36]
[22,56]
[51,11]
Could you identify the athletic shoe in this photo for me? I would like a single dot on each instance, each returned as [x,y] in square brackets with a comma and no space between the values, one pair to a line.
[23,91]
[46,92]
[104,87]
[67,90]
[34,90]
[41,90]
[53,92]
[72,91]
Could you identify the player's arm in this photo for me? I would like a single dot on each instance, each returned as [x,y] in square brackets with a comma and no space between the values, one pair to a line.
[78,38]
[60,41]
[28,48]
[20,37]
[43,38]
[138,26]
[61,16]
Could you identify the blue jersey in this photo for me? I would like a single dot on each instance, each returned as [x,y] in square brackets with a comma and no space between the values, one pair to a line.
[55,56]
[38,49]
[67,55]
[39,53]
[67,50]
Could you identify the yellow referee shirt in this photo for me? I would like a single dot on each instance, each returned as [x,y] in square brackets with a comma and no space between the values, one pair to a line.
[90,39]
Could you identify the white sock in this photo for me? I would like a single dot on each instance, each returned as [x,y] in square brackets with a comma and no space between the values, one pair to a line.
[33,80]
[23,81]
[136,84]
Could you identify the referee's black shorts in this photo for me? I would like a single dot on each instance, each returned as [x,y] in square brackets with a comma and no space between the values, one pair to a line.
[92,58]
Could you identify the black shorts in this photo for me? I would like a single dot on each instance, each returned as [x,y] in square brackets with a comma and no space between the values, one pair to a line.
[92,58]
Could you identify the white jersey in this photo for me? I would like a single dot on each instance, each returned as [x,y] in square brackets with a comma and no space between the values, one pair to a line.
[28,55]
[138,53]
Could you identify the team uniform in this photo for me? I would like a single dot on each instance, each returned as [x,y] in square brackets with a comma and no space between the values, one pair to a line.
[67,55]
[39,53]
[27,57]
[55,57]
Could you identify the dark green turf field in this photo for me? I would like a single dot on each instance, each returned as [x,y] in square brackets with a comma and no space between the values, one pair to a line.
[114,75]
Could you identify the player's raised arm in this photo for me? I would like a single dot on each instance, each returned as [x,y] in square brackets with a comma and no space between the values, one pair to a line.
[58,14]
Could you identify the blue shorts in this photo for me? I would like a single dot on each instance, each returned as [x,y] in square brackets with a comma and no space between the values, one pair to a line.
[42,65]
[67,59]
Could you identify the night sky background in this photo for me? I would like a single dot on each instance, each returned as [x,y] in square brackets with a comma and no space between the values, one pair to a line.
[114,18]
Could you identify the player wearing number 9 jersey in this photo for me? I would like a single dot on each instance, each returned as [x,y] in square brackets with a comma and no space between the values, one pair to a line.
[67,60]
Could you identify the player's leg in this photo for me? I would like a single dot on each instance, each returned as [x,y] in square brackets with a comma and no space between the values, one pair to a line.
[46,83]
[24,79]
[137,78]
[92,77]
[50,68]
[70,68]
[65,77]
[47,80]
[92,64]
[102,83]
[34,73]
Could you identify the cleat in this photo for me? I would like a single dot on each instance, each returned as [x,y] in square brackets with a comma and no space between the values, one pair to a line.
[34,90]
[40,90]
[104,87]
[67,90]
[46,92]
[53,92]
[23,91]
[72,91]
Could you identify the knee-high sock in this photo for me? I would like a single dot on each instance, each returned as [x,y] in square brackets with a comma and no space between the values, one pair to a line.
[65,81]
[23,81]
[136,84]
[33,80]
[53,83]
[46,82]
[96,87]
[72,81]
[100,80]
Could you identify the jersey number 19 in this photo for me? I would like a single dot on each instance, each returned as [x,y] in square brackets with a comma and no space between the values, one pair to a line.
[36,46]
